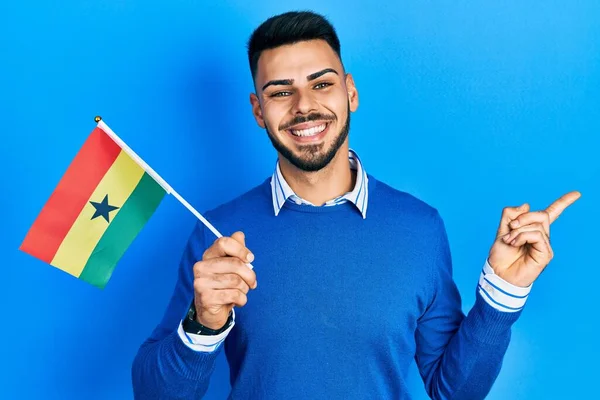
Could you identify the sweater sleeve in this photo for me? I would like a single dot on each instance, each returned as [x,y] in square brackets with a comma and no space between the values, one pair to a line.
[458,356]
[164,366]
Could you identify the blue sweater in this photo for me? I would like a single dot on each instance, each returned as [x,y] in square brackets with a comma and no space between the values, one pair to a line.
[344,305]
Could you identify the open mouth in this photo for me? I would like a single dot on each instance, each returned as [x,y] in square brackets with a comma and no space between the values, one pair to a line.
[309,132]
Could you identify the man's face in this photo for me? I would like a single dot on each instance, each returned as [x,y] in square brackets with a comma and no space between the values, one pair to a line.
[304,100]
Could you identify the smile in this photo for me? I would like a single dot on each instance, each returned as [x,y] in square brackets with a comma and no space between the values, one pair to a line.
[307,132]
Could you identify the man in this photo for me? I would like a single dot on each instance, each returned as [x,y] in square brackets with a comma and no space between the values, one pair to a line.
[356,277]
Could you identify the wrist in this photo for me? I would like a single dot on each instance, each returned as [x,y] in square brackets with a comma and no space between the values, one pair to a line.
[212,325]
[193,324]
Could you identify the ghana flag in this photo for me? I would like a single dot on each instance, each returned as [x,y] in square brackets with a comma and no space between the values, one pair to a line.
[97,209]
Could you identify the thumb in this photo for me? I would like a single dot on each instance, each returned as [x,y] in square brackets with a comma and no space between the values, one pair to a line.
[509,214]
[240,237]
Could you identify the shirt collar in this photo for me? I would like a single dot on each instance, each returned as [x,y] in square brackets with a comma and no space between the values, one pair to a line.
[282,192]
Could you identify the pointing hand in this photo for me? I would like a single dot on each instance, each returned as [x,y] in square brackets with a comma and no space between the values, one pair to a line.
[522,248]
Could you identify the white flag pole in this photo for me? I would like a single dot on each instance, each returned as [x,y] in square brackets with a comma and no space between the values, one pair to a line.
[155,176]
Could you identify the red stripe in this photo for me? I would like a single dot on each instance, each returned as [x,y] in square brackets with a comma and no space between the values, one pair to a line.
[87,169]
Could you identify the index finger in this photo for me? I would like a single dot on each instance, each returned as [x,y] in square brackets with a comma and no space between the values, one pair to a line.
[556,208]
[228,246]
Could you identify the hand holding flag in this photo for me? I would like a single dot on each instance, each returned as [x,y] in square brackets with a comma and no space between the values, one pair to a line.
[222,280]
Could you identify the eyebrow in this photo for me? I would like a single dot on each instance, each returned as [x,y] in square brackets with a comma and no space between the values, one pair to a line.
[310,77]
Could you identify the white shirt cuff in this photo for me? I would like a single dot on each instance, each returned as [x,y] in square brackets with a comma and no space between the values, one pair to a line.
[204,343]
[500,294]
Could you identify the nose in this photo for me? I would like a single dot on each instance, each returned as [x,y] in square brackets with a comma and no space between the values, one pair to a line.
[305,103]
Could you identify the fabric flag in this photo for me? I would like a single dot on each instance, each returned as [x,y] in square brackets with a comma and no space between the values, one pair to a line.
[99,206]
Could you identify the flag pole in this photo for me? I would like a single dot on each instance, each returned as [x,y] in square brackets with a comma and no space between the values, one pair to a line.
[102,125]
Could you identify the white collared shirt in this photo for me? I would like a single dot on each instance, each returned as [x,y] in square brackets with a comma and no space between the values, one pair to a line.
[359,196]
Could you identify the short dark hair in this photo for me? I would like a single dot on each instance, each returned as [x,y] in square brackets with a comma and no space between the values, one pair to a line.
[288,28]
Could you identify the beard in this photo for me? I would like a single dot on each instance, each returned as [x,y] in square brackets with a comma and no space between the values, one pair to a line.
[311,157]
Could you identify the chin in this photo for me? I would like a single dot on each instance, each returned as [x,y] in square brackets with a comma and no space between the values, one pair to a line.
[310,157]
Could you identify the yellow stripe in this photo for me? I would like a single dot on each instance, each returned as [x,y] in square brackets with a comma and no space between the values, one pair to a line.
[118,182]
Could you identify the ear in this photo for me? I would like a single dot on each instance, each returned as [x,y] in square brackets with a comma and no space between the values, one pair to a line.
[256,110]
[352,92]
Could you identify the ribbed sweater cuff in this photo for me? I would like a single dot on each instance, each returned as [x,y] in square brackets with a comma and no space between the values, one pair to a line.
[488,325]
[187,362]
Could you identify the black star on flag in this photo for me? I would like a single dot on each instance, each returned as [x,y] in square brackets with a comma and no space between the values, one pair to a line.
[103,208]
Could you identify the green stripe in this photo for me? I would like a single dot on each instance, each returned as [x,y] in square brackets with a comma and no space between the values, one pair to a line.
[128,222]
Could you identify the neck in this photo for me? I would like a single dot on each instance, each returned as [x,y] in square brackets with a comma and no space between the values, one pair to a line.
[321,186]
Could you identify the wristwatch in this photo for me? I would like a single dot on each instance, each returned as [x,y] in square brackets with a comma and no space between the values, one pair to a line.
[191,325]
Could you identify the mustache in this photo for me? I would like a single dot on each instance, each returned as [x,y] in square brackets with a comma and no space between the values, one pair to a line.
[302,119]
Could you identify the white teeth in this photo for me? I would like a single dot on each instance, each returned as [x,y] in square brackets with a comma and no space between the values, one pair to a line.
[310,131]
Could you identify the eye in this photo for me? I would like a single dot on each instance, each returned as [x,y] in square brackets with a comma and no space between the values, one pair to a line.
[280,94]
[322,85]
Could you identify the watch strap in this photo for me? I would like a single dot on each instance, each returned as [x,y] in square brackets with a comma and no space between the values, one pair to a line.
[191,325]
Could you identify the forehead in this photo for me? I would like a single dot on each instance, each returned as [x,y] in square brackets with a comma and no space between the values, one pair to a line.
[296,61]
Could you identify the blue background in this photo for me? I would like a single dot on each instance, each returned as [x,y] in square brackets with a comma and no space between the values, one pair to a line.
[471,107]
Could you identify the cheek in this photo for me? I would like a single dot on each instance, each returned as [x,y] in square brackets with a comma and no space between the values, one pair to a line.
[334,101]
[274,114]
